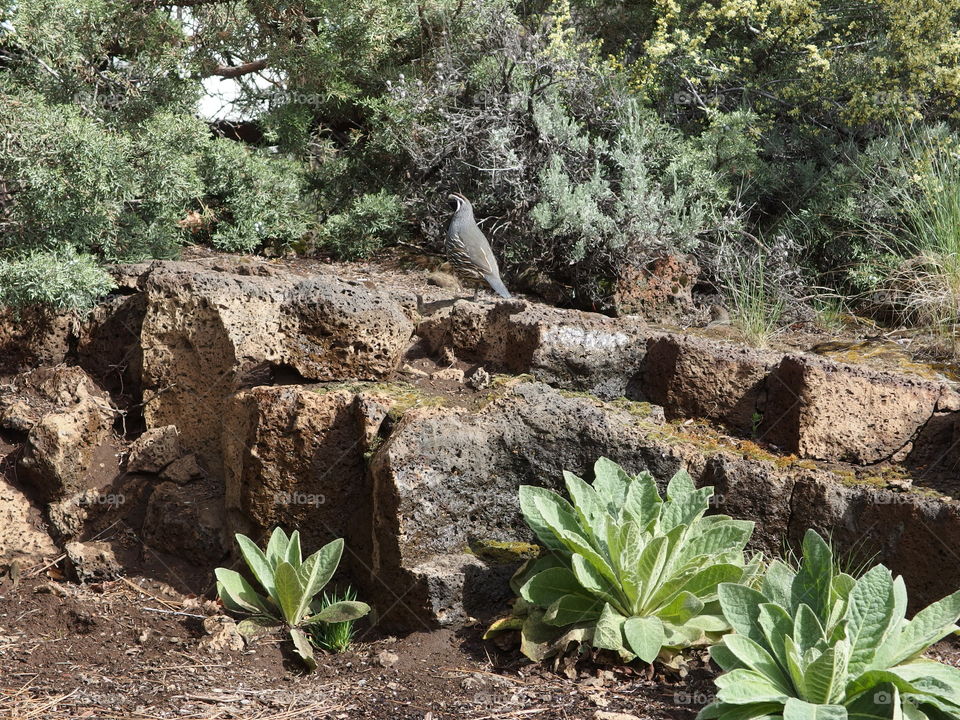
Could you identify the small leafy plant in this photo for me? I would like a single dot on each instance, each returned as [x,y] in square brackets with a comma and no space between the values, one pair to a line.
[625,569]
[336,636]
[818,644]
[291,586]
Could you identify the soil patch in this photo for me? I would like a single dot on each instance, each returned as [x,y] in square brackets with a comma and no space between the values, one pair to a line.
[132,648]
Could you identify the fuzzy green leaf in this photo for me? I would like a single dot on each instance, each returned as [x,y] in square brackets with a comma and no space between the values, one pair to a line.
[591,509]
[593,581]
[755,657]
[303,648]
[546,587]
[825,676]
[741,606]
[609,630]
[316,572]
[289,592]
[931,624]
[644,636]
[342,611]
[683,607]
[777,583]
[238,595]
[811,586]
[572,609]
[611,483]
[294,554]
[681,485]
[277,547]
[796,709]
[643,502]
[685,509]
[746,687]
[531,515]
[869,616]
[259,565]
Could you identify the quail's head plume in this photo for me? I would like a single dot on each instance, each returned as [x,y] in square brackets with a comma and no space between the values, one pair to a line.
[468,249]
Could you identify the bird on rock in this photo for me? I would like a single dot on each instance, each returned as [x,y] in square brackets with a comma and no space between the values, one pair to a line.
[468,249]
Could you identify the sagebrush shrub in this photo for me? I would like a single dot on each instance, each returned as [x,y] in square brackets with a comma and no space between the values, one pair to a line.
[58,278]
[568,174]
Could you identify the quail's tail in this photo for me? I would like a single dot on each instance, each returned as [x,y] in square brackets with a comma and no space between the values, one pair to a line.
[498,287]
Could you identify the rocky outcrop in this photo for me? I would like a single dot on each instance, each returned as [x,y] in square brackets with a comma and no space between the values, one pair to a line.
[566,348]
[447,477]
[68,424]
[271,398]
[205,330]
[21,538]
[804,404]
[294,456]
[693,377]
[187,522]
[831,411]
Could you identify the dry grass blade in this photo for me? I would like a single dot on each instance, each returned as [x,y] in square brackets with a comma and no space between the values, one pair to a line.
[24,706]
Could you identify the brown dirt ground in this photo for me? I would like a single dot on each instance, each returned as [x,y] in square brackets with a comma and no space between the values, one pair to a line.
[131,648]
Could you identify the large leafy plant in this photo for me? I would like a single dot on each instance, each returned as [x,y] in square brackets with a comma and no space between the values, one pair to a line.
[291,584]
[626,570]
[816,643]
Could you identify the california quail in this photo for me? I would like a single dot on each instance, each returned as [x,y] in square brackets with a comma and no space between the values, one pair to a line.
[468,249]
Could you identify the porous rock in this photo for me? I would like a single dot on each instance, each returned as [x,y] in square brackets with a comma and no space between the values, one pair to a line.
[567,348]
[183,470]
[154,450]
[205,331]
[447,475]
[293,457]
[187,522]
[832,411]
[660,289]
[92,561]
[68,423]
[21,538]
[695,377]
[222,635]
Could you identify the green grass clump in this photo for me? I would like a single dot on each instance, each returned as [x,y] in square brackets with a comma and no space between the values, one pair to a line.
[335,637]
[756,305]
